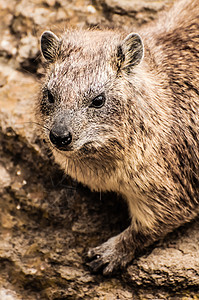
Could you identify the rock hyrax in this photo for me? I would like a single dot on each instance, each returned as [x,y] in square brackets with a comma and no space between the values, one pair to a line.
[120,112]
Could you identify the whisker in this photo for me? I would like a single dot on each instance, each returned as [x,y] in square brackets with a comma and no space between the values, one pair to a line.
[75,170]
[67,167]
[75,180]
[80,166]
[94,172]
[36,123]
[66,186]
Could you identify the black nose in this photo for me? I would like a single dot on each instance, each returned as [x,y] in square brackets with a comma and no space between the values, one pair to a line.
[61,139]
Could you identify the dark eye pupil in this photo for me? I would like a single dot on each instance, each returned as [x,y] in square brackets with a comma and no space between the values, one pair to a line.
[98,101]
[50,97]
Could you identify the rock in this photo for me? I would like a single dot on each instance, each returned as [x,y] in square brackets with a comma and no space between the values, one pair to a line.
[7,295]
[129,13]
[48,221]
[5,179]
[173,264]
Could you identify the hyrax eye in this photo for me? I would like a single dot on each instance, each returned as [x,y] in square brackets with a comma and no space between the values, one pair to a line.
[50,97]
[98,101]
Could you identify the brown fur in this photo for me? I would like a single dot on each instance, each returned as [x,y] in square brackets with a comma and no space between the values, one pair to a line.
[143,143]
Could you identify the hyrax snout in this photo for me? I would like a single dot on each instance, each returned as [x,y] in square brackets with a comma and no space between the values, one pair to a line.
[60,136]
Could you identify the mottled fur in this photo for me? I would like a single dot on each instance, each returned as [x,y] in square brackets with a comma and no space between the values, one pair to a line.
[143,143]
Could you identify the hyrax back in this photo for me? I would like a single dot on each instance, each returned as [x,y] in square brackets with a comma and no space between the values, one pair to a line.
[121,113]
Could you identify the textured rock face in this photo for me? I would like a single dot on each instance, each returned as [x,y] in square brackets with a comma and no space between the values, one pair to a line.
[47,221]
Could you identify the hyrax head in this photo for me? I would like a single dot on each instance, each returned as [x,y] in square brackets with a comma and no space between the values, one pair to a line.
[82,107]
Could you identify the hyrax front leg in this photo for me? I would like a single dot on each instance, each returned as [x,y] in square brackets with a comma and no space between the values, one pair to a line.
[118,251]
[113,254]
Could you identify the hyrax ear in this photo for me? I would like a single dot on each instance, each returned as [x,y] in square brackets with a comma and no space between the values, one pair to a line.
[130,52]
[49,45]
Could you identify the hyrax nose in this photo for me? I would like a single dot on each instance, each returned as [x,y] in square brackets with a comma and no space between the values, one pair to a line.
[60,137]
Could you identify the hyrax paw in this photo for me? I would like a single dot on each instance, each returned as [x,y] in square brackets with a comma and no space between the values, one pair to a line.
[108,257]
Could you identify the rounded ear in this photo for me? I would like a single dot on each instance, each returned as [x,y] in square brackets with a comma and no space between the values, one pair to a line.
[130,52]
[49,45]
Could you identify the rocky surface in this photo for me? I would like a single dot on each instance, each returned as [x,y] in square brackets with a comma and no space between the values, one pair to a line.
[47,221]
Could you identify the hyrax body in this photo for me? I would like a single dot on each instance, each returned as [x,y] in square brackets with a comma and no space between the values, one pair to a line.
[121,113]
